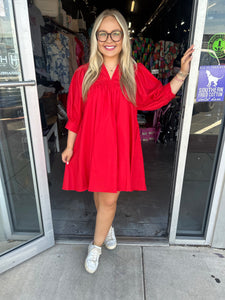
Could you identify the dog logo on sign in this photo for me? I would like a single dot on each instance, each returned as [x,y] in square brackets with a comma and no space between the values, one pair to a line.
[212,80]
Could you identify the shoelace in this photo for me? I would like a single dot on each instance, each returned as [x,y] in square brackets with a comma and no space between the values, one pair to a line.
[94,254]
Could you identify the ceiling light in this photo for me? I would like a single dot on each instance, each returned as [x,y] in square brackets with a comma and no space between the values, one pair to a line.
[132,31]
[132,6]
[143,29]
[129,25]
[182,23]
[168,32]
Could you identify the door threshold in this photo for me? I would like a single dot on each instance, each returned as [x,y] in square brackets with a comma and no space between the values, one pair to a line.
[121,240]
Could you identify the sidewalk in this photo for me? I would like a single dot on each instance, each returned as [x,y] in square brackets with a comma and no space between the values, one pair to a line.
[128,272]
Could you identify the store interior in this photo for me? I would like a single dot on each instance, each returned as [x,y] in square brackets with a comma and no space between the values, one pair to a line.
[159,33]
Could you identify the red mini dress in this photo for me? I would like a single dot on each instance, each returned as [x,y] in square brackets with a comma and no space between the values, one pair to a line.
[107,154]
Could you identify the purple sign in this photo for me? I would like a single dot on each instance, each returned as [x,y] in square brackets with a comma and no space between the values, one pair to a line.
[211,83]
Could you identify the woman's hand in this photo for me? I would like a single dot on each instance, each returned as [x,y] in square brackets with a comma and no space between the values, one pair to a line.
[180,77]
[186,59]
[68,152]
[66,155]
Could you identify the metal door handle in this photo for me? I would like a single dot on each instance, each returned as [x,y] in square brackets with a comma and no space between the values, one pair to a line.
[17,83]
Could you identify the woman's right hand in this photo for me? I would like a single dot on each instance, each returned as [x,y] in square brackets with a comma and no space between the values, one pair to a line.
[66,155]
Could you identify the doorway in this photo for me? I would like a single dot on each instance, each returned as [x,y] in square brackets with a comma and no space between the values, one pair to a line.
[139,214]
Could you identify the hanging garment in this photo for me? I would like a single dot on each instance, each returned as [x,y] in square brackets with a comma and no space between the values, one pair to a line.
[73,55]
[158,58]
[56,47]
[40,66]
[107,154]
[163,58]
[79,52]
[170,54]
[86,47]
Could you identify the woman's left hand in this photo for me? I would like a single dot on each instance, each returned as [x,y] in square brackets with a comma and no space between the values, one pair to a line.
[186,59]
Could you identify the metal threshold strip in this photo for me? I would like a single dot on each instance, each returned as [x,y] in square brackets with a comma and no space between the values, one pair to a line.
[124,241]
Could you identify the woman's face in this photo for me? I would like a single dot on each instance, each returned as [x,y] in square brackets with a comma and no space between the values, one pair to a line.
[110,49]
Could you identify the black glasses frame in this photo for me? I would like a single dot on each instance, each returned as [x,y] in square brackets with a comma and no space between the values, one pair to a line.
[109,34]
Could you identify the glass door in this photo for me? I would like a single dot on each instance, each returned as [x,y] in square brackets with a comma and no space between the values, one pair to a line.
[25,214]
[203,129]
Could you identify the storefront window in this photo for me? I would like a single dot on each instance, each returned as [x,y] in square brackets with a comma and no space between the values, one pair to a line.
[206,127]
[20,219]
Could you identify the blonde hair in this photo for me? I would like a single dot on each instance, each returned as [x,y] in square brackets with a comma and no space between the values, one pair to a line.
[126,62]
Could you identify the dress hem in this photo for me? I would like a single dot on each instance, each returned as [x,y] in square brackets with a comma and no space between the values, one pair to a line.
[94,190]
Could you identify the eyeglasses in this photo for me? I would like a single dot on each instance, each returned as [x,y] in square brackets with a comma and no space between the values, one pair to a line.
[115,35]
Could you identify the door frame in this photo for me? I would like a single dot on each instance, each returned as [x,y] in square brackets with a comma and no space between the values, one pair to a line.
[38,162]
[196,38]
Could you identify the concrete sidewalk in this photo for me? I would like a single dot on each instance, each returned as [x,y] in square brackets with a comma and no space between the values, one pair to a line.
[128,272]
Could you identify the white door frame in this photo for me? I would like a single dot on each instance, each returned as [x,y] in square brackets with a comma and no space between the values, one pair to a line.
[38,163]
[189,95]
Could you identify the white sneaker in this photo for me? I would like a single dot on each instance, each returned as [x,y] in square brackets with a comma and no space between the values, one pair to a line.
[91,262]
[110,241]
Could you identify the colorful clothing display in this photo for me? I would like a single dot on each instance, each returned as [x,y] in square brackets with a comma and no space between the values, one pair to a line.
[107,154]
[163,58]
[158,56]
[142,49]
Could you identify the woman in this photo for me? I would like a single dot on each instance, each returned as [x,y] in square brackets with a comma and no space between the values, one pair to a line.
[103,100]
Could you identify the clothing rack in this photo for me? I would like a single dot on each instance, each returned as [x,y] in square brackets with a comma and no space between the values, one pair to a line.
[59,26]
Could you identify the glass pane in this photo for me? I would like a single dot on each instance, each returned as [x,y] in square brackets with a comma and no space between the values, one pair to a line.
[9,55]
[206,127]
[20,219]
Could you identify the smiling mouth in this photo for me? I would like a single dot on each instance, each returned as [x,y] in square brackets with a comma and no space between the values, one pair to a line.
[109,47]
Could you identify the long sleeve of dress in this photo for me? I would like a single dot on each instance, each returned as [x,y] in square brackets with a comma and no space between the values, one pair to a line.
[151,94]
[75,101]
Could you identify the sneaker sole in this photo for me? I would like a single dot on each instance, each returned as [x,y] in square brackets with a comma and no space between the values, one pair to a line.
[110,248]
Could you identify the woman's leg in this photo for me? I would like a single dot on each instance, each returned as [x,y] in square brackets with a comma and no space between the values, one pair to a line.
[106,209]
[96,199]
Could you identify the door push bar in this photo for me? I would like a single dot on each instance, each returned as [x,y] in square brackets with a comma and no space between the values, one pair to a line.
[17,83]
